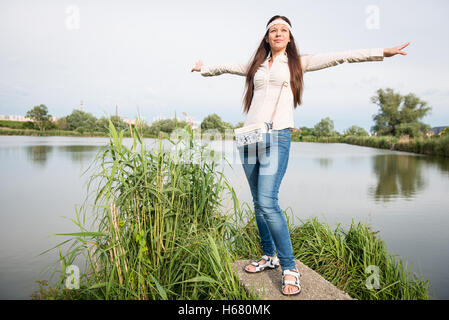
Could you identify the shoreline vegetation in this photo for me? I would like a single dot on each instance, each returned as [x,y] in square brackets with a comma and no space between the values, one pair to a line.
[432,146]
[163,231]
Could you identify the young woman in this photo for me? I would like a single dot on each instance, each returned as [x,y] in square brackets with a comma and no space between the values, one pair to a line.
[276,66]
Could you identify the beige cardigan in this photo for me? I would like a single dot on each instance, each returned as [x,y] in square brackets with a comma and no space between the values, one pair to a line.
[268,82]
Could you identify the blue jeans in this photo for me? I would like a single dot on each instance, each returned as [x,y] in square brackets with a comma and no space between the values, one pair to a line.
[265,164]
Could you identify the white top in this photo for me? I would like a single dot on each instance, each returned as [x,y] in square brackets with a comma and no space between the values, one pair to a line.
[268,82]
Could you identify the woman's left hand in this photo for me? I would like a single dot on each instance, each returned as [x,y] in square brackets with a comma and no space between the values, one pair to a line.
[396,50]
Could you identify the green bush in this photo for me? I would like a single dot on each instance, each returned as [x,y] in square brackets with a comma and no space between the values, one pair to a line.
[442,146]
[16,124]
[437,146]
[445,132]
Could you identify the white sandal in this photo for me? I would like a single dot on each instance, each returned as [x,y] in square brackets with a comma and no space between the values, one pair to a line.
[295,273]
[270,263]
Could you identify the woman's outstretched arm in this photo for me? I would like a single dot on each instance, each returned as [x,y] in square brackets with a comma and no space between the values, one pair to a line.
[396,50]
[324,60]
[218,69]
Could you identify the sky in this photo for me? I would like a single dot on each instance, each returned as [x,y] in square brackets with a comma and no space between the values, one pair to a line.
[137,55]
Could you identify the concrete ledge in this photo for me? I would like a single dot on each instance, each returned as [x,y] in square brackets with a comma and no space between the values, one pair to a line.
[267,284]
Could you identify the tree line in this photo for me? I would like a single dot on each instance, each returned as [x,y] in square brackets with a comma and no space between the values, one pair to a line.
[78,121]
[397,115]
[83,122]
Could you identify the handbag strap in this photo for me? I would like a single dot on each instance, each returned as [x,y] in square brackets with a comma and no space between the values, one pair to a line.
[284,84]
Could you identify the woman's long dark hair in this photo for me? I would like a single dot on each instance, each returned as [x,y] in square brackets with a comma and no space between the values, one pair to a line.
[294,64]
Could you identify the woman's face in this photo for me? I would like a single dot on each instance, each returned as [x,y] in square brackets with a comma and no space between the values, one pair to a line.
[278,37]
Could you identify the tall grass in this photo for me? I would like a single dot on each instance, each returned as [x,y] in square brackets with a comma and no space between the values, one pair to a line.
[162,232]
[381,142]
[434,146]
[438,146]
[344,258]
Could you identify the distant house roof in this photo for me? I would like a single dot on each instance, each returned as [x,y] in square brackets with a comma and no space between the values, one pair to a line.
[437,130]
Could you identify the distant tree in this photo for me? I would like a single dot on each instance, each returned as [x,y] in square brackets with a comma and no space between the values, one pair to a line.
[227,125]
[398,115]
[445,132]
[214,121]
[355,131]
[102,124]
[80,119]
[304,131]
[28,125]
[165,125]
[239,125]
[62,123]
[40,116]
[412,129]
[324,128]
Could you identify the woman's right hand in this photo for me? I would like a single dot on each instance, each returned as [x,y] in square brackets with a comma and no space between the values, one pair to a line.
[197,66]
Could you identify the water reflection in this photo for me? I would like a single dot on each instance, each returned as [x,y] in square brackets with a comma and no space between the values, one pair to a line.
[397,176]
[442,164]
[79,153]
[324,162]
[38,154]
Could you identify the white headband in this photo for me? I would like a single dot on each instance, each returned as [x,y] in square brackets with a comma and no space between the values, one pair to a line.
[278,21]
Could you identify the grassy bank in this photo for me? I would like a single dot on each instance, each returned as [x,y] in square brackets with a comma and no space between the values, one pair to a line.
[16,124]
[162,231]
[62,133]
[435,146]
[48,133]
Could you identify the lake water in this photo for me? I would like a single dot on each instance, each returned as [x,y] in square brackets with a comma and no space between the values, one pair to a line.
[402,195]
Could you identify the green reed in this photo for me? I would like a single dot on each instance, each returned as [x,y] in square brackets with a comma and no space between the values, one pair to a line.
[348,258]
[433,146]
[162,232]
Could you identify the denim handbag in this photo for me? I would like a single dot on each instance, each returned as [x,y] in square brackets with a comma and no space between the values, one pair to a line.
[255,132]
